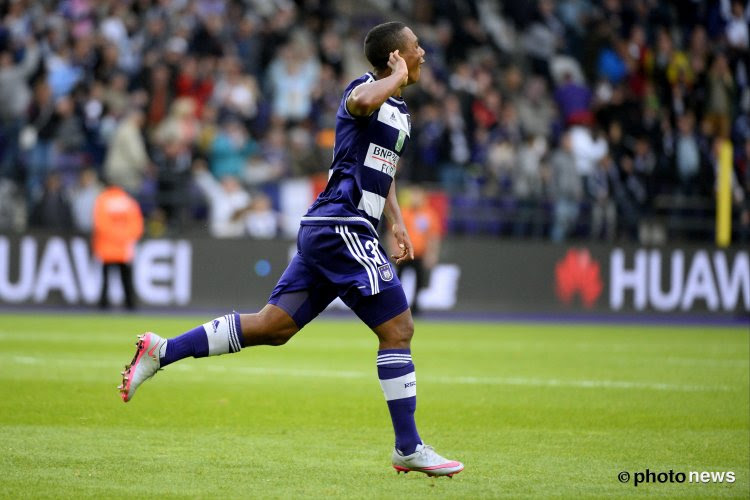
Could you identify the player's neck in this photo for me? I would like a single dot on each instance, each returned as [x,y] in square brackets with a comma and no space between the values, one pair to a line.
[383,74]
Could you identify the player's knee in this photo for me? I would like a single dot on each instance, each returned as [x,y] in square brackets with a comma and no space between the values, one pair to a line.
[280,337]
[279,328]
[407,331]
[401,336]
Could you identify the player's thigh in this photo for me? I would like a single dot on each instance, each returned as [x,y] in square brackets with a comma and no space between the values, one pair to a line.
[386,313]
[302,292]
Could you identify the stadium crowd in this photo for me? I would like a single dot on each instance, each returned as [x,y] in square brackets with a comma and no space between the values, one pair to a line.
[563,119]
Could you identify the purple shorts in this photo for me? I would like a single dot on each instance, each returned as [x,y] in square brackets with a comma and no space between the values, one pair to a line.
[344,261]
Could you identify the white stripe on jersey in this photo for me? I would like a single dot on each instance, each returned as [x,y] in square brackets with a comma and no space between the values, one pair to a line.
[381,159]
[373,279]
[372,204]
[390,115]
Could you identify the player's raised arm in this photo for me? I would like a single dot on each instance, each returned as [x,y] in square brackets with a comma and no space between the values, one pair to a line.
[368,97]
[393,214]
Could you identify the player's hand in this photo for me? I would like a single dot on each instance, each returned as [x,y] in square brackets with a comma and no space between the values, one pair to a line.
[404,244]
[398,66]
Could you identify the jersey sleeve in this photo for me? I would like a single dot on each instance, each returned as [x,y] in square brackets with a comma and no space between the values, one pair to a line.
[367,78]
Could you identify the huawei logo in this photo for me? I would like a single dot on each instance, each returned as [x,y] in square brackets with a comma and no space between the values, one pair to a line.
[578,273]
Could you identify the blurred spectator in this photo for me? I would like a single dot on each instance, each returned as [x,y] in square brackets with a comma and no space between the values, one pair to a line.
[12,207]
[235,93]
[227,202]
[574,100]
[602,188]
[423,226]
[456,145]
[83,198]
[52,211]
[687,155]
[118,225]
[566,189]
[588,147]
[630,198]
[69,140]
[536,110]
[15,96]
[230,148]
[530,187]
[195,81]
[127,161]
[261,220]
[292,77]
[41,129]
[173,161]
[720,100]
[304,155]
[272,162]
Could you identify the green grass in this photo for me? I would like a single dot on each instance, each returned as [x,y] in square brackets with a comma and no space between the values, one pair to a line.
[532,410]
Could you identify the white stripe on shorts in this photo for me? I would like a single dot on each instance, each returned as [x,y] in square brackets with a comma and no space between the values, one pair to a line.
[372,261]
[357,257]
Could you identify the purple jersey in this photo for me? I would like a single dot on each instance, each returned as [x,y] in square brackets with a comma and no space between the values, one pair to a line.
[365,156]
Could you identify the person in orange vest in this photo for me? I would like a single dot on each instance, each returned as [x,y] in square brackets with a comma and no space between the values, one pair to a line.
[423,226]
[118,225]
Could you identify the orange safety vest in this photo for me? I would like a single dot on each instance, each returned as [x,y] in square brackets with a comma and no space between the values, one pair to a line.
[422,225]
[118,224]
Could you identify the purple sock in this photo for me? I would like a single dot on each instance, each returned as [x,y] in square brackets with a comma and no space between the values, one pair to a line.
[396,374]
[219,336]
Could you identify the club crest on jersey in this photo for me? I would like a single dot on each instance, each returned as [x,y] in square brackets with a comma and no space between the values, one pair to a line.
[400,140]
[385,272]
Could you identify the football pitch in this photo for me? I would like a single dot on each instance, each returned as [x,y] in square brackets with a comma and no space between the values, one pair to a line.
[533,410]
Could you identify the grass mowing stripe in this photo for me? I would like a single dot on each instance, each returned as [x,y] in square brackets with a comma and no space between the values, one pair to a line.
[456,380]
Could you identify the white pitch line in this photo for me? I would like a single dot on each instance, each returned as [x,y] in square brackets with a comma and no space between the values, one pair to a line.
[460,380]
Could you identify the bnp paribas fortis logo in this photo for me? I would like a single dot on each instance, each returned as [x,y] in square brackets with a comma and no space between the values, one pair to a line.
[578,274]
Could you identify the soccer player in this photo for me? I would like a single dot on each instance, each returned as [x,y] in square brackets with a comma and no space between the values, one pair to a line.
[338,252]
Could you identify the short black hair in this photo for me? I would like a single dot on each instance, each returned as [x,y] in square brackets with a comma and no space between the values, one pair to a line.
[381,41]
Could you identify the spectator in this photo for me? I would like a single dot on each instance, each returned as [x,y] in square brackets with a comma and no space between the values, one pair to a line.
[12,207]
[261,220]
[69,140]
[687,155]
[118,225]
[530,187]
[292,76]
[230,148]
[127,162]
[53,209]
[227,202]
[536,110]
[83,198]
[173,161]
[566,190]
[588,147]
[42,125]
[602,189]
[573,99]
[15,96]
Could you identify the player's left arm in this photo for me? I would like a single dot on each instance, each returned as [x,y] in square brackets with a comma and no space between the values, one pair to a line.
[393,214]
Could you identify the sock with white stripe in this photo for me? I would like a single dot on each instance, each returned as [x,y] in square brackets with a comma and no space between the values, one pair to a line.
[399,383]
[220,336]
